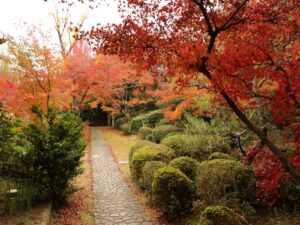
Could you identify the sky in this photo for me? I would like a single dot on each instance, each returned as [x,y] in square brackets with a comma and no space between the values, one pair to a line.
[37,12]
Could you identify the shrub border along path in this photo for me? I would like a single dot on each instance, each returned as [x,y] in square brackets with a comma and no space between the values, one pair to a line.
[114,202]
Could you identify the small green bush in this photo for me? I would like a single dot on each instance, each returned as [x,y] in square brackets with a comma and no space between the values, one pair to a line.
[187,145]
[164,122]
[187,165]
[149,137]
[221,215]
[120,121]
[220,155]
[150,119]
[126,128]
[172,192]
[162,131]
[148,171]
[144,132]
[149,153]
[136,146]
[221,181]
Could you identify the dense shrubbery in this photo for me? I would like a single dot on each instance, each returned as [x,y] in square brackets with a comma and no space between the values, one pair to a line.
[162,131]
[172,192]
[126,128]
[221,181]
[148,153]
[187,145]
[187,165]
[144,132]
[221,215]
[220,155]
[55,147]
[148,172]
[149,119]
[136,146]
[120,121]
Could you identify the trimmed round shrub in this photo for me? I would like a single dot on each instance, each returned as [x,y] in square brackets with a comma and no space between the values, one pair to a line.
[120,121]
[149,137]
[144,132]
[154,117]
[220,155]
[148,171]
[136,146]
[164,122]
[222,181]
[172,192]
[221,215]
[126,128]
[137,122]
[162,131]
[187,165]
[153,152]
[187,145]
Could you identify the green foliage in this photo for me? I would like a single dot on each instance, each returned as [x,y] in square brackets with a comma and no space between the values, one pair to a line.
[221,215]
[162,131]
[187,165]
[149,137]
[136,146]
[56,146]
[144,132]
[220,155]
[164,122]
[172,192]
[120,121]
[148,153]
[150,119]
[221,181]
[148,172]
[187,145]
[126,128]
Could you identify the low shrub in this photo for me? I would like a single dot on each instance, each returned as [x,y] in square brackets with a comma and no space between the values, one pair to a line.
[136,146]
[187,165]
[172,192]
[187,145]
[120,121]
[126,128]
[162,131]
[221,215]
[220,155]
[148,153]
[144,132]
[150,119]
[164,122]
[224,182]
[149,137]
[148,171]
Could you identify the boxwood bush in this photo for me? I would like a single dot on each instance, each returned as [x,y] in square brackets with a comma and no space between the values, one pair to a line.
[136,146]
[221,215]
[148,172]
[222,181]
[126,128]
[172,192]
[162,131]
[120,121]
[148,153]
[144,132]
[149,119]
[187,145]
[187,165]
[220,155]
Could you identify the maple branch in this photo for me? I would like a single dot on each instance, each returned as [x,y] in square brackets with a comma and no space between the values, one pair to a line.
[227,24]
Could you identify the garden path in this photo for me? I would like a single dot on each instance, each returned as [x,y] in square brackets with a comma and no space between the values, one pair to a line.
[114,202]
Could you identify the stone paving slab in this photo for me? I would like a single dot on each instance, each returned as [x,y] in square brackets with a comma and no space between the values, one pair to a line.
[114,202]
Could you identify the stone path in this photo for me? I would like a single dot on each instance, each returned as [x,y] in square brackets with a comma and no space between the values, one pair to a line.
[114,201]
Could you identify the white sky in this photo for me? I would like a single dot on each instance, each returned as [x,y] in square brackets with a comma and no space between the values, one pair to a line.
[36,12]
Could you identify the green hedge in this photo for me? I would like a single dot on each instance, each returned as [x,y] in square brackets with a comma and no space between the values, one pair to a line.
[126,128]
[220,155]
[148,172]
[148,153]
[187,145]
[172,192]
[221,215]
[120,121]
[221,181]
[144,132]
[136,146]
[162,131]
[149,119]
[187,165]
